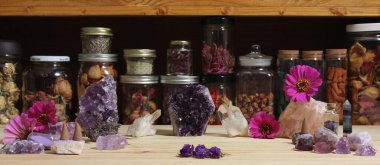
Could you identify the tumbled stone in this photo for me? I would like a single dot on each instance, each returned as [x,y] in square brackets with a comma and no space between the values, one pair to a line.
[332,125]
[295,137]
[23,147]
[143,126]
[358,139]
[323,148]
[366,150]
[325,135]
[44,139]
[67,147]
[343,146]
[305,142]
[111,142]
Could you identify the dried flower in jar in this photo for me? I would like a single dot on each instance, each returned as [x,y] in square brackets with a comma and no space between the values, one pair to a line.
[9,93]
[251,104]
[216,60]
[140,104]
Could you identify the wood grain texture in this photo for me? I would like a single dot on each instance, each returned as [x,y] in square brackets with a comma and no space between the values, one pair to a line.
[163,148]
[355,8]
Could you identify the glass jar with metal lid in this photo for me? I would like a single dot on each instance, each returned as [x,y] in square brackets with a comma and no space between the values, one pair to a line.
[255,83]
[96,40]
[314,58]
[46,81]
[94,67]
[140,96]
[139,61]
[172,84]
[179,58]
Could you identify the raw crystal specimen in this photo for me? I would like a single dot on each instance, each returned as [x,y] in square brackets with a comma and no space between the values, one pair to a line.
[232,119]
[323,148]
[190,109]
[295,137]
[366,150]
[98,115]
[358,139]
[67,147]
[44,139]
[23,147]
[332,125]
[143,126]
[305,142]
[325,135]
[55,130]
[343,146]
[111,142]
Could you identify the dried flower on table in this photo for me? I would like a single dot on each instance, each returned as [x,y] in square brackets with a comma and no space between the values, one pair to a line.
[18,128]
[186,151]
[200,151]
[214,153]
[264,126]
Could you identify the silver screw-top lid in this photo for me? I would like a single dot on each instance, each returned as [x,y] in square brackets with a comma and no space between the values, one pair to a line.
[139,53]
[98,57]
[47,58]
[127,79]
[180,79]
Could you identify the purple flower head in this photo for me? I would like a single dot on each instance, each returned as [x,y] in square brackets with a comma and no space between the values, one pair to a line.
[214,153]
[263,126]
[200,152]
[186,151]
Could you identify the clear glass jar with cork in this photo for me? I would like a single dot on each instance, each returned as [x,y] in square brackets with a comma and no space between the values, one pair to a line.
[314,58]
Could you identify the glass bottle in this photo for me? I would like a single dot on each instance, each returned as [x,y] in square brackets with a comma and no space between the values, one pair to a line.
[314,58]
[96,40]
[331,117]
[179,58]
[139,61]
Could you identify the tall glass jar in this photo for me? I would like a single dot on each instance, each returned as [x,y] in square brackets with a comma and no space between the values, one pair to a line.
[172,84]
[255,84]
[47,80]
[96,40]
[336,64]
[10,80]
[179,58]
[331,117]
[220,86]
[93,68]
[286,59]
[139,61]
[217,54]
[140,96]
[364,72]
[314,58]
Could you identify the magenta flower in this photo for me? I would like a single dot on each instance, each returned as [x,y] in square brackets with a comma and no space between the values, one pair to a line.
[302,83]
[44,114]
[263,126]
[18,128]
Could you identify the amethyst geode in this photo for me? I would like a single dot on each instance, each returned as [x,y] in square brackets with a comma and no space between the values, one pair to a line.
[98,115]
[190,109]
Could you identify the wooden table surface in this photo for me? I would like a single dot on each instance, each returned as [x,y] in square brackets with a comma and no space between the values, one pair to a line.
[163,149]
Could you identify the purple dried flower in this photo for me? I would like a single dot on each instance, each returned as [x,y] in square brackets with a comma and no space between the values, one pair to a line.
[214,153]
[200,152]
[186,151]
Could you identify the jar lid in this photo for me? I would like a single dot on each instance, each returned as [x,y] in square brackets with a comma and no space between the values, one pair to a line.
[44,58]
[218,21]
[255,58]
[96,31]
[218,79]
[180,42]
[336,53]
[180,79]
[127,79]
[98,57]
[363,27]
[288,54]
[8,47]
[139,53]
[312,54]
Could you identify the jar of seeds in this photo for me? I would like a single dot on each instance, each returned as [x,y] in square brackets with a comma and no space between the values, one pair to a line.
[96,40]
[139,61]
[179,58]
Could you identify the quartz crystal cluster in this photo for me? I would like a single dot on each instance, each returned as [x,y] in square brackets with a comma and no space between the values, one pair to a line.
[23,147]
[143,126]
[98,115]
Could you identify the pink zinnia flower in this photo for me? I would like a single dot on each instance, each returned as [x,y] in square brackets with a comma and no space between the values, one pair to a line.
[263,126]
[44,114]
[302,83]
[18,128]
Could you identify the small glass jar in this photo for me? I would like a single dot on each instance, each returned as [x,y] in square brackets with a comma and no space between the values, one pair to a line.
[139,61]
[336,64]
[331,117]
[140,96]
[96,40]
[179,58]
[172,84]
[217,55]
[47,80]
[220,87]
[314,58]
[255,84]
[93,68]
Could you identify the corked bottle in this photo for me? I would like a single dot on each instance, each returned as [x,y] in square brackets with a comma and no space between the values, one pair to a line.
[314,58]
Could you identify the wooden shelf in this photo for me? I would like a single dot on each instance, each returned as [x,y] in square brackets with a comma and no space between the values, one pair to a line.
[329,8]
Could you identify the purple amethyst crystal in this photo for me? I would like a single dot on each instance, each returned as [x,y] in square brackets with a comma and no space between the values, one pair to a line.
[326,135]
[304,142]
[343,146]
[323,148]
[111,142]
[186,151]
[23,147]
[190,109]
[44,139]
[358,139]
[295,137]
[366,150]
[98,115]
[200,152]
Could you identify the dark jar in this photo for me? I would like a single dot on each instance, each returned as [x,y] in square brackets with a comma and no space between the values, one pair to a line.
[314,58]
[96,40]
[179,58]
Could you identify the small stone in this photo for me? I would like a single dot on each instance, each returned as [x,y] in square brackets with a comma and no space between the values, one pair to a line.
[67,147]
[304,142]
[343,146]
[366,150]
[295,137]
[358,139]
[111,142]
[325,135]
[332,125]
[323,148]
[23,147]
[143,126]
[44,139]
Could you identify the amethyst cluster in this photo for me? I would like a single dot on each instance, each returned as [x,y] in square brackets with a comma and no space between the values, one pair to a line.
[23,147]
[98,115]
[190,109]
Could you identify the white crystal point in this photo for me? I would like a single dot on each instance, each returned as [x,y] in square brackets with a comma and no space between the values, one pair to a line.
[143,126]
[233,119]
[67,147]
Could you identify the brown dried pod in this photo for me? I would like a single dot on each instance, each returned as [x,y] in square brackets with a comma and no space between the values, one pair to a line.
[356,53]
[65,135]
[63,87]
[95,72]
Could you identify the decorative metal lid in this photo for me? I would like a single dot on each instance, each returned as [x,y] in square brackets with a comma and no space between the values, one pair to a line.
[98,57]
[46,58]
[180,79]
[255,58]
[336,53]
[312,54]
[363,27]
[180,42]
[288,54]
[96,31]
[127,79]
[139,53]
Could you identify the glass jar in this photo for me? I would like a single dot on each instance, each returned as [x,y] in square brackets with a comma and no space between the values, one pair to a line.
[139,61]
[220,87]
[93,68]
[172,84]
[96,40]
[314,58]
[331,117]
[286,59]
[140,96]
[336,64]
[364,72]
[217,55]
[10,80]
[47,80]
[255,84]
[179,58]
